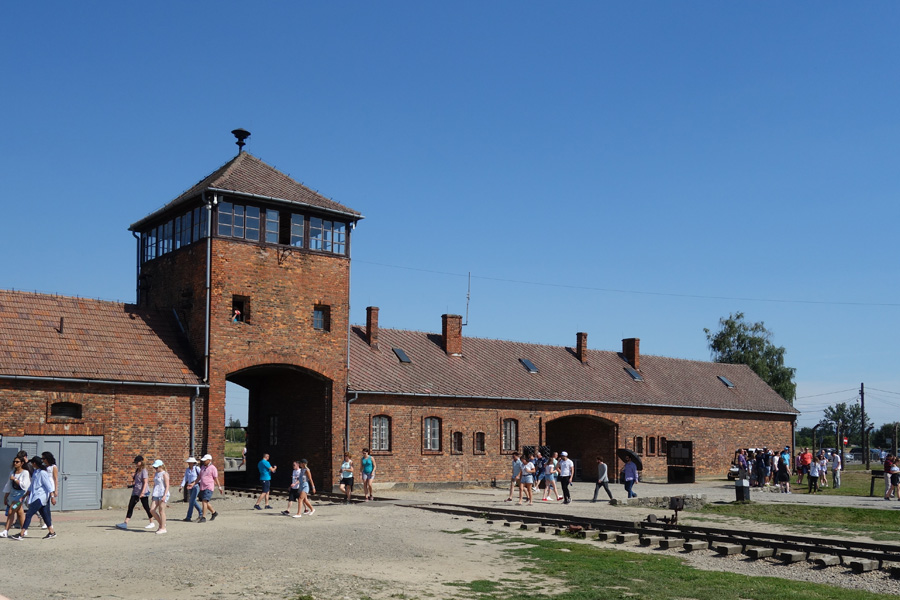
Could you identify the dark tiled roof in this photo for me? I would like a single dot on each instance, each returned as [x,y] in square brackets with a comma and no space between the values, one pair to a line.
[246,174]
[100,340]
[491,369]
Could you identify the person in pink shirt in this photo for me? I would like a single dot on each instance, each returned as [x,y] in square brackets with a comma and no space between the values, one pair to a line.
[209,480]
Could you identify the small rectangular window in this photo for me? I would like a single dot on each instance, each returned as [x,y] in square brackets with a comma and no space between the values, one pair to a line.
[528,365]
[479,443]
[663,446]
[634,374]
[726,381]
[297,230]
[401,355]
[432,434]
[456,443]
[240,309]
[510,441]
[272,226]
[381,433]
[651,445]
[639,445]
[322,318]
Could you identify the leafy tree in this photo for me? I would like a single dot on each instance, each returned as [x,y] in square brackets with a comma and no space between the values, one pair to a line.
[739,342]
[850,415]
[886,432]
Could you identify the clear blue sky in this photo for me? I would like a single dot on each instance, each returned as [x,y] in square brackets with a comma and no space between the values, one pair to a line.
[624,169]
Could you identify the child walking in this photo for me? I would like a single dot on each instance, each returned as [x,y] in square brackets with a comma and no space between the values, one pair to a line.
[160,495]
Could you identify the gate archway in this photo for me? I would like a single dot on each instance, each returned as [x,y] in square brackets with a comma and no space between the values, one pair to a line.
[584,437]
[288,417]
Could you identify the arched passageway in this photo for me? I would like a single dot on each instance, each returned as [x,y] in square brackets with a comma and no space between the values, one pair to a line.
[289,416]
[584,437]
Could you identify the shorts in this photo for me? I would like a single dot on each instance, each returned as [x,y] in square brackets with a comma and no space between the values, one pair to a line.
[347,481]
[293,494]
[528,479]
[266,486]
[368,476]
[304,488]
[205,495]
[804,469]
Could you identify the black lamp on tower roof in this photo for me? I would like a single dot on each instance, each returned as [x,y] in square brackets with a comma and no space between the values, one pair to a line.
[241,135]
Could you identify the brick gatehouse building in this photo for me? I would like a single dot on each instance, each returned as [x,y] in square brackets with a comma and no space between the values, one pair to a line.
[245,278]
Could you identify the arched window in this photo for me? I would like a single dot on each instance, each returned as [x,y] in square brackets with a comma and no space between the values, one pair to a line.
[479,442]
[381,434]
[432,434]
[456,446]
[510,435]
[65,410]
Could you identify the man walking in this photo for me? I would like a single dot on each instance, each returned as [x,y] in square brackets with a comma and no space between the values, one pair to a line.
[566,471]
[209,480]
[265,478]
[602,479]
[836,469]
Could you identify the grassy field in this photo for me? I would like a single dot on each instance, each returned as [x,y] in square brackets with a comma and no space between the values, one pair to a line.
[572,571]
[234,449]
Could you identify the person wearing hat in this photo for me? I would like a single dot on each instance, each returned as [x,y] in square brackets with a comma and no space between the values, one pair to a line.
[189,481]
[566,470]
[139,489]
[209,480]
[160,494]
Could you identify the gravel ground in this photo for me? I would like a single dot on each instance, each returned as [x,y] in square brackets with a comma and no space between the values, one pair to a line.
[375,550]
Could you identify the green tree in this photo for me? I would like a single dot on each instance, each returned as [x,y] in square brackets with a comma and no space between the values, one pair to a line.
[850,416]
[739,342]
[879,437]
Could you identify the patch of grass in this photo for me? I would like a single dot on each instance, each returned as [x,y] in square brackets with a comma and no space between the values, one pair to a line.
[234,449]
[479,586]
[868,521]
[581,571]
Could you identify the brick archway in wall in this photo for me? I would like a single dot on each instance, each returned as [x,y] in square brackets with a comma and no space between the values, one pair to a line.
[584,437]
[288,417]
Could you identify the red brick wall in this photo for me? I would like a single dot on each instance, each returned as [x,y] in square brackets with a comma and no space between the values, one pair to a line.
[133,420]
[594,430]
[283,287]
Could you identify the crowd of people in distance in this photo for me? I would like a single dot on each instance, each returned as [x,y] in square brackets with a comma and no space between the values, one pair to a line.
[765,468]
[30,490]
[891,477]
[533,473]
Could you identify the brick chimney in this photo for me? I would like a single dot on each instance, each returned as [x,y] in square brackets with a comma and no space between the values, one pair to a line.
[581,347]
[451,332]
[372,326]
[631,348]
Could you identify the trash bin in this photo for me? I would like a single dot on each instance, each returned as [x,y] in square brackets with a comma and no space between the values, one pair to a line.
[742,490]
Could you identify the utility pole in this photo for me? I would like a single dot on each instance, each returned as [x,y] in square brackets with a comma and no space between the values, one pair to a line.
[862,424]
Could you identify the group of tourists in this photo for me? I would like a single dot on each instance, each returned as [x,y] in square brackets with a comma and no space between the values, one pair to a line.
[533,472]
[765,468]
[30,490]
[199,480]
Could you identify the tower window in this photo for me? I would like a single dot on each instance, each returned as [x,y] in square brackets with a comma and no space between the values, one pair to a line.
[322,317]
[240,309]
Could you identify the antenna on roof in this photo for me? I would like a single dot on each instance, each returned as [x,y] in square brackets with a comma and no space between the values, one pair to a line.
[468,294]
[241,135]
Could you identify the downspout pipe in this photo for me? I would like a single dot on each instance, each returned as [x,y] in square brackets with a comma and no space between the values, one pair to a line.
[193,419]
[208,283]
[347,421]
[137,276]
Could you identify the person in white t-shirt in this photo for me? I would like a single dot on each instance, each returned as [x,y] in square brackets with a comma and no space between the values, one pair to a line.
[836,470]
[566,471]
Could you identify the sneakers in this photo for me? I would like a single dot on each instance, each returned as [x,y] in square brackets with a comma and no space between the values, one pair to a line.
[213,517]
[257,507]
[150,525]
[121,525]
[201,520]
[508,500]
[186,520]
[284,512]
[52,535]
[311,512]
[44,526]
[24,534]
[17,536]
[268,507]
[4,533]
[296,516]
[161,531]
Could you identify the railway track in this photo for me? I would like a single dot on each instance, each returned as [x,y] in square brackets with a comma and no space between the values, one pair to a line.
[859,557]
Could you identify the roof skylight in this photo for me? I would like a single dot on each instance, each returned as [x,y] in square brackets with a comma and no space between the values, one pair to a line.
[401,355]
[726,381]
[634,374]
[528,365]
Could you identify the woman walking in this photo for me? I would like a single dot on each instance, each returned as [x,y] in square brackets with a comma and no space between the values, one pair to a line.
[305,484]
[294,491]
[160,495]
[347,477]
[550,472]
[368,474]
[631,476]
[526,481]
[14,494]
[52,470]
[38,500]
[139,492]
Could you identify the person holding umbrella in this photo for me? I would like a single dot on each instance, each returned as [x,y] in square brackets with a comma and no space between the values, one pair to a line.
[631,476]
